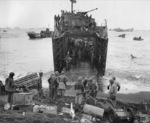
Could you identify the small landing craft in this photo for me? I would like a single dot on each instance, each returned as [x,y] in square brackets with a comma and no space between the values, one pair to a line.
[33,35]
[138,38]
[122,35]
[43,34]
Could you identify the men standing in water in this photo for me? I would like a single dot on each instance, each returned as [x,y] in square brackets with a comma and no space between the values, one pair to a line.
[53,85]
[113,88]
[79,88]
[62,83]
[9,87]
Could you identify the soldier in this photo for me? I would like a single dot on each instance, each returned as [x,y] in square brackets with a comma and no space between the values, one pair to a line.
[113,88]
[85,83]
[50,85]
[93,88]
[79,56]
[92,58]
[68,61]
[53,85]
[97,87]
[2,88]
[39,88]
[62,83]
[10,87]
[79,88]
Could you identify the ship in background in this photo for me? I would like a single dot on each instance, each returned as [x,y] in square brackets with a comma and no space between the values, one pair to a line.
[122,30]
[43,34]
[79,44]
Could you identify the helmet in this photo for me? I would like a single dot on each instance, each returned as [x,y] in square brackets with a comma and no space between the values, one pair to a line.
[80,78]
[40,73]
[111,81]
[93,77]
[11,74]
[85,78]
[62,72]
[90,79]
[113,78]
[56,72]
[52,74]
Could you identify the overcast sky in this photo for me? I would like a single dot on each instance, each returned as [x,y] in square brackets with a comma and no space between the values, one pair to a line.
[40,13]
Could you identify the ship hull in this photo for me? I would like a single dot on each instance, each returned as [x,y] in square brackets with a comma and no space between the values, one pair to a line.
[85,68]
[34,35]
[43,34]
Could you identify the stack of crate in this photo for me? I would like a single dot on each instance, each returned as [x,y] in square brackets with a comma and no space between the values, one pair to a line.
[28,81]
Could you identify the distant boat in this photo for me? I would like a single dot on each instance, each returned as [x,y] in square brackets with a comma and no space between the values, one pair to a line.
[4,30]
[16,28]
[133,57]
[122,35]
[33,35]
[123,30]
[43,34]
[138,38]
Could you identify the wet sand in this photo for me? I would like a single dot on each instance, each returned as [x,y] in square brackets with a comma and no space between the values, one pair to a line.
[30,117]
[135,86]
[128,95]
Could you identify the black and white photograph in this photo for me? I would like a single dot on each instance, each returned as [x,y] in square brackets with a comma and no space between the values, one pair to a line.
[74,61]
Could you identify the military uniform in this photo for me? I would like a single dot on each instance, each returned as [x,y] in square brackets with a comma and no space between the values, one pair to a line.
[62,84]
[2,88]
[93,89]
[79,88]
[68,62]
[9,87]
[39,88]
[53,84]
[113,88]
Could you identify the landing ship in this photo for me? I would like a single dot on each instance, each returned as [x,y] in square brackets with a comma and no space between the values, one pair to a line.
[79,45]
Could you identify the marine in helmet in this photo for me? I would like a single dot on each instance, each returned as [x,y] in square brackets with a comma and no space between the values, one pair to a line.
[53,85]
[39,86]
[93,87]
[113,87]
[62,79]
[79,88]
[68,60]
[10,87]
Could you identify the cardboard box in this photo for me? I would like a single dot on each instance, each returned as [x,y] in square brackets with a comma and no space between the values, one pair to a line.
[23,99]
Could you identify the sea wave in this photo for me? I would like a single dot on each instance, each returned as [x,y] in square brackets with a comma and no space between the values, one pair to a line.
[20,54]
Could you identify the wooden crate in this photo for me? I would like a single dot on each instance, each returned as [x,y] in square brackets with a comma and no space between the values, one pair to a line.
[22,99]
[28,81]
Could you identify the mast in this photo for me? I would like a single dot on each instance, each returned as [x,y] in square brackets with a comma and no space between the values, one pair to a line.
[72,2]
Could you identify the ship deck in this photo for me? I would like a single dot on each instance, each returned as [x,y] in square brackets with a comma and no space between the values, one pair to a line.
[83,69]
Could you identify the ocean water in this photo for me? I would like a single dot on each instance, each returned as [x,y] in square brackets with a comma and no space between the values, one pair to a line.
[20,54]
[120,50]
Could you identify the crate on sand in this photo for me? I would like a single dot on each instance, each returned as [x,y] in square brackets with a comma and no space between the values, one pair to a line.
[23,99]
